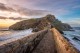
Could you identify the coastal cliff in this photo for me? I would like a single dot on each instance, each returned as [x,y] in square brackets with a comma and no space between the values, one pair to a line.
[47,22]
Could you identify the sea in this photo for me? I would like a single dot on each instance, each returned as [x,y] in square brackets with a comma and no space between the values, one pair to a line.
[6,34]
[73,37]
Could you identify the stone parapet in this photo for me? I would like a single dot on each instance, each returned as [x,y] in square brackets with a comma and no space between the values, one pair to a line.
[62,44]
[23,45]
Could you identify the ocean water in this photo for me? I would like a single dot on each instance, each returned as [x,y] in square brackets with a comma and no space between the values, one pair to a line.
[9,34]
[73,37]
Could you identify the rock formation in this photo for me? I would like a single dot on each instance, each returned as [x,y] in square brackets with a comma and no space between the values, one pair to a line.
[38,24]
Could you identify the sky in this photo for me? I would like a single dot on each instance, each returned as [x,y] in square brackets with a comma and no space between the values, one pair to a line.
[4,24]
[65,10]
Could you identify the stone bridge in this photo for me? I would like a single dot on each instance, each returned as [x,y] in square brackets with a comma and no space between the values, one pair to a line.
[45,41]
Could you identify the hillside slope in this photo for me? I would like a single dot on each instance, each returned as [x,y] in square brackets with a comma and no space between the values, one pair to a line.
[49,21]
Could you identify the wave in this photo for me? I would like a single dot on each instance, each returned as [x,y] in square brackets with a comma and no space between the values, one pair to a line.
[73,37]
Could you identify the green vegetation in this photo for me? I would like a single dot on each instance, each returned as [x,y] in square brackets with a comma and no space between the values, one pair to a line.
[38,24]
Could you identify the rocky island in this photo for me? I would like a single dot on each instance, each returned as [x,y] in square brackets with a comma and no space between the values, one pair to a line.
[48,21]
[46,39]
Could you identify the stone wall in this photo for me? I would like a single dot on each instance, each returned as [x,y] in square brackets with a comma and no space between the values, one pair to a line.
[62,44]
[23,45]
[29,43]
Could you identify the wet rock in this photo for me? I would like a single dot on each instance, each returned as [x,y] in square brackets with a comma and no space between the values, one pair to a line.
[61,31]
[76,38]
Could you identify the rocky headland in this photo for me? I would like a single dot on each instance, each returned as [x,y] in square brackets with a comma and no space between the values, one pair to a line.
[48,21]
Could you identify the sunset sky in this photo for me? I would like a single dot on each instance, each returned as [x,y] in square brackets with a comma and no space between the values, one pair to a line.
[7,22]
[66,10]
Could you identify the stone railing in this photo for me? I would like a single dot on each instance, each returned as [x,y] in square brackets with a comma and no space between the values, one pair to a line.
[62,45]
[23,45]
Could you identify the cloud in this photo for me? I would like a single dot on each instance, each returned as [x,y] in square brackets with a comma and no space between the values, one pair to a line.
[74,22]
[20,11]
[61,11]
[3,7]
[57,7]
[76,7]
[30,12]
[2,1]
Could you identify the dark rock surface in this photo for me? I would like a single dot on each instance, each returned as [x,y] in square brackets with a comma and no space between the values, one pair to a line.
[76,38]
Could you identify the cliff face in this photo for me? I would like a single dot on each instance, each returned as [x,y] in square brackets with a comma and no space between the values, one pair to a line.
[38,24]
[26,24]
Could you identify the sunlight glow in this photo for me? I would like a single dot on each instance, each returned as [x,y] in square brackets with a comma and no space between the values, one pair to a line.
[7,22]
